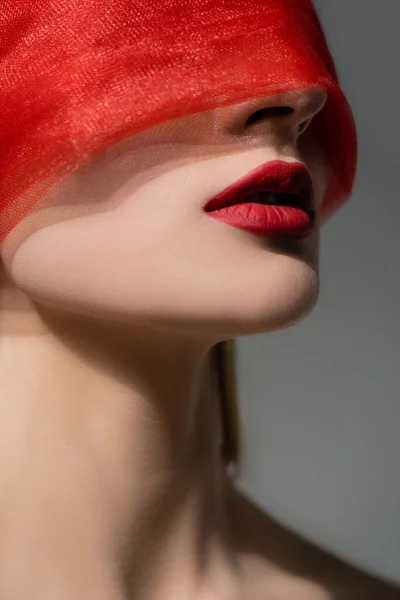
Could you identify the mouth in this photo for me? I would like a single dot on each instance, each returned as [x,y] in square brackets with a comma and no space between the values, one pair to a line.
[277,197]
[268,198]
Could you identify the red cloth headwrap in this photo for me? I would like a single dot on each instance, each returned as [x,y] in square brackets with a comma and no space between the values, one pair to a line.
[79,75]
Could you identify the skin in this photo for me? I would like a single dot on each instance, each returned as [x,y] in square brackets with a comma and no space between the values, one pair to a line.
[112,292]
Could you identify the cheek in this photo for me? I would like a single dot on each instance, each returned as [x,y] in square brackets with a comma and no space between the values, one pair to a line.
[101,261]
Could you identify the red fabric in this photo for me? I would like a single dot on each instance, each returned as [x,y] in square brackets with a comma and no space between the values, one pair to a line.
[79,75]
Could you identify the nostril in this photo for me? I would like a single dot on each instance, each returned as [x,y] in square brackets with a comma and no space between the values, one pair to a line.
[268,113]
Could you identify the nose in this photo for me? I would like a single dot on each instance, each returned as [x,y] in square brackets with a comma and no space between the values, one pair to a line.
[291,112]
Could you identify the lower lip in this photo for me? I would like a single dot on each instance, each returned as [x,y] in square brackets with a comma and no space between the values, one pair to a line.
[266,219]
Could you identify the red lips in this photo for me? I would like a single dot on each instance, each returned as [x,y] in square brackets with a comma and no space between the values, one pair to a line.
[248,203]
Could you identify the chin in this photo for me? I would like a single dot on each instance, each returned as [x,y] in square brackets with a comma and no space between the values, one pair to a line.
[274,317]
[249,305]
[290,299]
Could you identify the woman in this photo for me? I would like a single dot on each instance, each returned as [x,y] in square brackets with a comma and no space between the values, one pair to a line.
[166,169]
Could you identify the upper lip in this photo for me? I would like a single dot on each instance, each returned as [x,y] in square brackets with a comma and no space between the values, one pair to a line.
[278,177]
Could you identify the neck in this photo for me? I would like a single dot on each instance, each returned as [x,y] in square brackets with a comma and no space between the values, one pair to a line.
[111,477]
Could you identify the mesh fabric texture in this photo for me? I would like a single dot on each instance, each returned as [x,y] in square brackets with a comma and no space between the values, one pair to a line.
[77,76]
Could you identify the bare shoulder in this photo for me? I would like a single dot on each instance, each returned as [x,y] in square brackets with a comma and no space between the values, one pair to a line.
[285,566]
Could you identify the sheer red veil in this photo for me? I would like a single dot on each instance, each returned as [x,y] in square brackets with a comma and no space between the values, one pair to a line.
[79,75]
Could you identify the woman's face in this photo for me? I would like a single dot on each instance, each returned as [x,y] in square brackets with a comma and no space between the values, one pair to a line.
[125,238]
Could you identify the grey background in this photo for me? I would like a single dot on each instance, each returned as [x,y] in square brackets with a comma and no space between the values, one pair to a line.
[321,401]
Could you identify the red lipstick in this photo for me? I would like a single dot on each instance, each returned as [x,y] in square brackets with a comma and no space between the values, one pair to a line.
[277,198]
